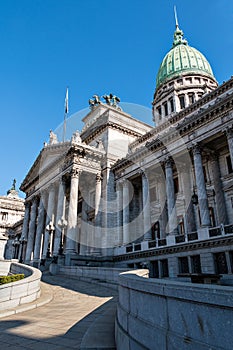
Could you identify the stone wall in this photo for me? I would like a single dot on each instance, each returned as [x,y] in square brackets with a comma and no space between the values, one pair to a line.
[164,314]
[19,292]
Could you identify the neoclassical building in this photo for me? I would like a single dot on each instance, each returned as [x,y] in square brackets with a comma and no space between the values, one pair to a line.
[124,193]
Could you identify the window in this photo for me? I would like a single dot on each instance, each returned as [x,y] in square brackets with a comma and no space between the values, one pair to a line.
[212,217]
[183,264]
[182,102]
[155,231]
[220,263]
[196,264]
[172,105]
[191,99]
[159,112]
[176,185]
[180,225]
[154,269]
[229,164]
[165,109]
[164,268]
[4,216]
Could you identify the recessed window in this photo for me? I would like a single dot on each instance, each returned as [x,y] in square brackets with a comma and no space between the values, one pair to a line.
[164,268]
[4,216]
[220,263]
[229,164]
[191,99]
[176,185]
[183,264]
[165,109]
[172,105]
[196,264]
[182,101]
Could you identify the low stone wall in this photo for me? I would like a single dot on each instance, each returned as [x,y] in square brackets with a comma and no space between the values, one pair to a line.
[106,274]
[162,314]
[19,292]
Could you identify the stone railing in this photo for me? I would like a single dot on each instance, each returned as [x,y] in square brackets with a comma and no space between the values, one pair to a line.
[20,292]
[164,314]
[104,274]
[172,240]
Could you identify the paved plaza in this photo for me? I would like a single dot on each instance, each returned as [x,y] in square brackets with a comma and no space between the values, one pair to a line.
[79,315]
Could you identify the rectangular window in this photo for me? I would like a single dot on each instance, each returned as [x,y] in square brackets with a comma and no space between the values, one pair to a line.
[183,264]
[182,102]
[172,105]
[155,231]
[180,225]
[164,268]
[154,269]
[165,109]
[220,263]
[196,264]
[176,185]
[229,164]
[191,99]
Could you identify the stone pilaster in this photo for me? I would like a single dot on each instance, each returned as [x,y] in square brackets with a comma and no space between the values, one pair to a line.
[170,191]
[32,230]
[146,207]
[61,200]
[201,188]
[219,194]
[49,219]
[39,228]
[229,133]
[189,214]
[125,212]
[72,215]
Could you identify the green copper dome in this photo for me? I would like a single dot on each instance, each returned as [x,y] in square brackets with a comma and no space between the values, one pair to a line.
[182,58]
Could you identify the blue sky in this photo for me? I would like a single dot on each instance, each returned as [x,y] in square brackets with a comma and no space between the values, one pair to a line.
[92,47]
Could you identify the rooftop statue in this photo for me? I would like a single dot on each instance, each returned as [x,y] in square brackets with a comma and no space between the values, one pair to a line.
[76,137]
[52,138]
[95,102]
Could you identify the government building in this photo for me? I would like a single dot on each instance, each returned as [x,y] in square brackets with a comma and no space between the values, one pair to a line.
[122,193]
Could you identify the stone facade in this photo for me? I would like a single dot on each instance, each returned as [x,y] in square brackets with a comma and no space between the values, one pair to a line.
[124,193]
[11,218]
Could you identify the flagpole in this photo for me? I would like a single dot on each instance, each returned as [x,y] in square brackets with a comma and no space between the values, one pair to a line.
[65,115]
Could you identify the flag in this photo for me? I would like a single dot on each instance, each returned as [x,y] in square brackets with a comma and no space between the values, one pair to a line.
[66,102]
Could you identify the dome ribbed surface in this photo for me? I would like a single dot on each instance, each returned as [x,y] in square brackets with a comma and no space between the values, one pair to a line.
[180,59]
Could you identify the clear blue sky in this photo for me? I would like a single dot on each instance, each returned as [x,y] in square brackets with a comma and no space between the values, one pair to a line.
[93,46]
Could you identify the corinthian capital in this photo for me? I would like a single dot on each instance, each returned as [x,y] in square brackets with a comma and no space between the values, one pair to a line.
[75,173]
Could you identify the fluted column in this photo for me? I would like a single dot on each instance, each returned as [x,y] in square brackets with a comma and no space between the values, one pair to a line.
[189,210]
[170,191]
[201,188]
[119,212]
[39,228]
[161,185]
[26,220]
[32,230]
[97,231]
[49,219]
[125,212]
[72,214]
[229,133]
[219,194]
[146,207]
[61,200]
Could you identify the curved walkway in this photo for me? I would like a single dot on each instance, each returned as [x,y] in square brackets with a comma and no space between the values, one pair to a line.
[80,315]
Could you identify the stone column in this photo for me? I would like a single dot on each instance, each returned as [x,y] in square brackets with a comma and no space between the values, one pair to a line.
[39,228]
[97,231]
[119,213]
[61,200]
[72,215]
[125,212]
[26,220]
[170,190]
[146,207]
[229,133]
[189,210]
[163,205]
[219,194]
[32,230]
[49,218]
[201,188]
